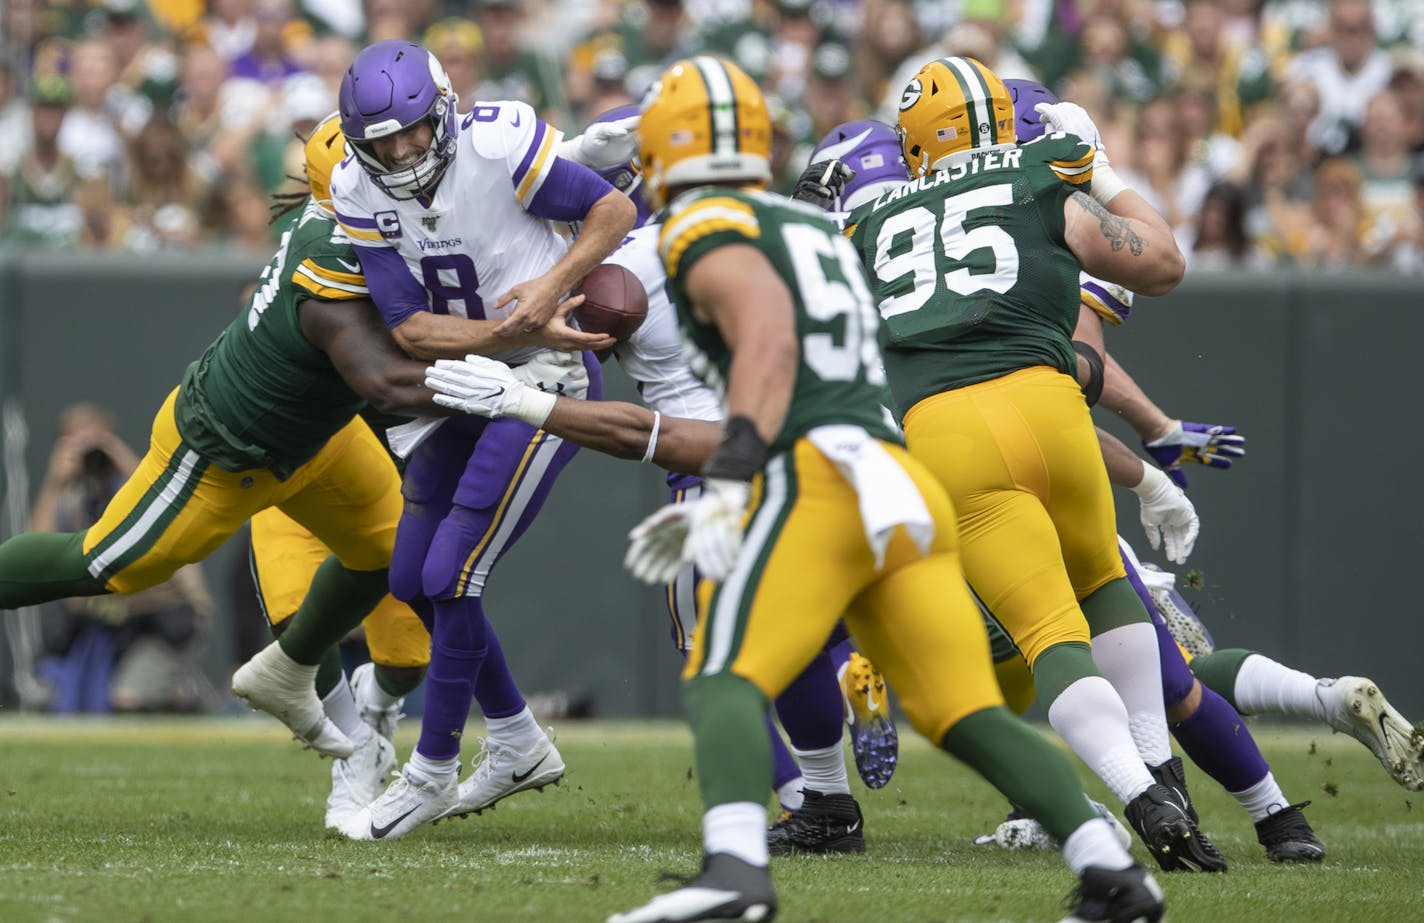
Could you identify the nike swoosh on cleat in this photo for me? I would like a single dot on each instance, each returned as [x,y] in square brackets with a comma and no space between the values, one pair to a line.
[855,826]
[520,777]
[379,833]
[870,698]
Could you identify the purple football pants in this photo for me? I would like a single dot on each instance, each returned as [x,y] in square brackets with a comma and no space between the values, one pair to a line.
[471,490]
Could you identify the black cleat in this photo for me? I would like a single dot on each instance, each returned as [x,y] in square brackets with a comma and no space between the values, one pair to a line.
[1174,776]
[1174,841]
[823,824]
[1126,896]
[727,889]
[1287,836]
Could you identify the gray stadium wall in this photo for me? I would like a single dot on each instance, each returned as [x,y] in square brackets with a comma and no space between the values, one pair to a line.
[1308,547]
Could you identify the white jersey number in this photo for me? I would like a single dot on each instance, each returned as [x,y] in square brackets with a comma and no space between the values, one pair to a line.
[956,241]
[827,299]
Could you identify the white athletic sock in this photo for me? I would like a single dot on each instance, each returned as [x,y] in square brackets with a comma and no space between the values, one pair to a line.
[738,828]
[434,770]
[1264,686]
[1128,657]
[374,695]
[789,794]
[823,770]
[1259,799]
[340,707]
[1095,844]
[520,732]
[1090,716]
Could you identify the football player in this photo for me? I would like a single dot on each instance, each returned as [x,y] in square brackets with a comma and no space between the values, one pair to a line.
[264,418]
[819,812]
[981,365]
[809,472]
[454,219]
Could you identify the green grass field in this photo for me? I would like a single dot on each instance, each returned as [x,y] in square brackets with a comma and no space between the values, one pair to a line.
[221,820]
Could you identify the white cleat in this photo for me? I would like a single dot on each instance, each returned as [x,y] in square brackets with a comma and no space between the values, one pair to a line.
[1354,705]
[1027,833]
[409,802]
[500,772]
[359,779]
[382,719]
[275,683]
[727,889]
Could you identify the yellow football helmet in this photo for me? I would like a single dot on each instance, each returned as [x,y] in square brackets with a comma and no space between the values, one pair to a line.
[950,106]
[704,121]
[324,150]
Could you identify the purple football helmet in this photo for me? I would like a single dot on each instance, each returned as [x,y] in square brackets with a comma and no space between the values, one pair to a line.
[391,86]
[1026,94]
[627,178]
[872,150]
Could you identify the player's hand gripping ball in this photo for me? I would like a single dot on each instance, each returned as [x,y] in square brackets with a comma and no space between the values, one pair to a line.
[614,302]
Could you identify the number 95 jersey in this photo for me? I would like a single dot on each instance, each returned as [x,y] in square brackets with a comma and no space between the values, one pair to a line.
[476,238]
[970,269]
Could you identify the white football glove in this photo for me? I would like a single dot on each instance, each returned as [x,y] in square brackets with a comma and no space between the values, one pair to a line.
[486,387]
[1167,515]
[555,372]
[604,145]
[1072,119]
[707,532]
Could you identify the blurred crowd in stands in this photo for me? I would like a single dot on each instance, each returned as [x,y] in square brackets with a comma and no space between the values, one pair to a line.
[1269,132]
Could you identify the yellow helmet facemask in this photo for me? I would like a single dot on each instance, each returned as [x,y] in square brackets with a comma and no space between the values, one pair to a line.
[953,105]
[324,150]
[704,121]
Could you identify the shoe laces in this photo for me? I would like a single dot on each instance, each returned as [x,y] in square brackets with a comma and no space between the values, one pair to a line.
[491,753]
[1287,822]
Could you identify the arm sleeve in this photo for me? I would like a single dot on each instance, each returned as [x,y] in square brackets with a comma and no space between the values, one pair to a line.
[392,287]
[568,193]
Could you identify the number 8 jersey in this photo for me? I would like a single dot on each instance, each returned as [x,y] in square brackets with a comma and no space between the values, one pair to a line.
[970,269]
[479,235]
[840,378]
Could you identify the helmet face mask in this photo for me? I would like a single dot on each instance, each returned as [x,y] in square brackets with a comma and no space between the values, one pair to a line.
[704,122]
[953,106]
[390,87]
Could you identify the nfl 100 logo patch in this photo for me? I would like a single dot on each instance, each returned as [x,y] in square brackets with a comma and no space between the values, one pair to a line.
[429,222]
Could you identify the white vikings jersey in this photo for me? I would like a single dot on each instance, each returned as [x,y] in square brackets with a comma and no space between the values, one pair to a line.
[475,240]
[653,356]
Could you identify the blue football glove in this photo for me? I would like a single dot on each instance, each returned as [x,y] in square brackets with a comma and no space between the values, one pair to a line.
[1199,443]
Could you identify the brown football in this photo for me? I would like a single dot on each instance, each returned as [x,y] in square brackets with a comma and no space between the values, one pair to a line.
[614,302]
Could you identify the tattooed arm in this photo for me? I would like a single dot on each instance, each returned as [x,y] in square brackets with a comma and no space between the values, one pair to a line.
[1127,243]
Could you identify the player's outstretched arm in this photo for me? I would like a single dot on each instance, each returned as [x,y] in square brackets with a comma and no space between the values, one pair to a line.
[1128,243]
[354,337]
[488,388]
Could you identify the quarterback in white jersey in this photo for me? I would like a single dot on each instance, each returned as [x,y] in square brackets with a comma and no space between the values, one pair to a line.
[454,218]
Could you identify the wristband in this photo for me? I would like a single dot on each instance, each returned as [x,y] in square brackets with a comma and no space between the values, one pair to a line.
[738,457]
[1152,483]
[535,406]
[653,437]
[1106,183]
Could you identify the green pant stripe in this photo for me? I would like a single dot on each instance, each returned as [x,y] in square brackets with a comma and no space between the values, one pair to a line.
[146,524]
[731,603]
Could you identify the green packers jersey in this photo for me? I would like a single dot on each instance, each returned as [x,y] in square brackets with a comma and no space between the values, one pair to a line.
[970,269]
[840,378]
[262,396]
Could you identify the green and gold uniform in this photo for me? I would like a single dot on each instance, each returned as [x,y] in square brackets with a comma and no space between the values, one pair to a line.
[767,619]
[262,419]
[979,293]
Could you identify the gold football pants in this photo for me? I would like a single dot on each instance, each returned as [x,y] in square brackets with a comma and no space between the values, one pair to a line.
[805,562]
[1020,459]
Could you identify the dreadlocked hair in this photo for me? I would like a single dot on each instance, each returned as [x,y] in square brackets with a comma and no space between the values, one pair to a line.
[283,202]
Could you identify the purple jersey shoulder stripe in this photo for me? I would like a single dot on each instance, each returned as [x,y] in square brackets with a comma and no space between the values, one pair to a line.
[540,129]
[354,222]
